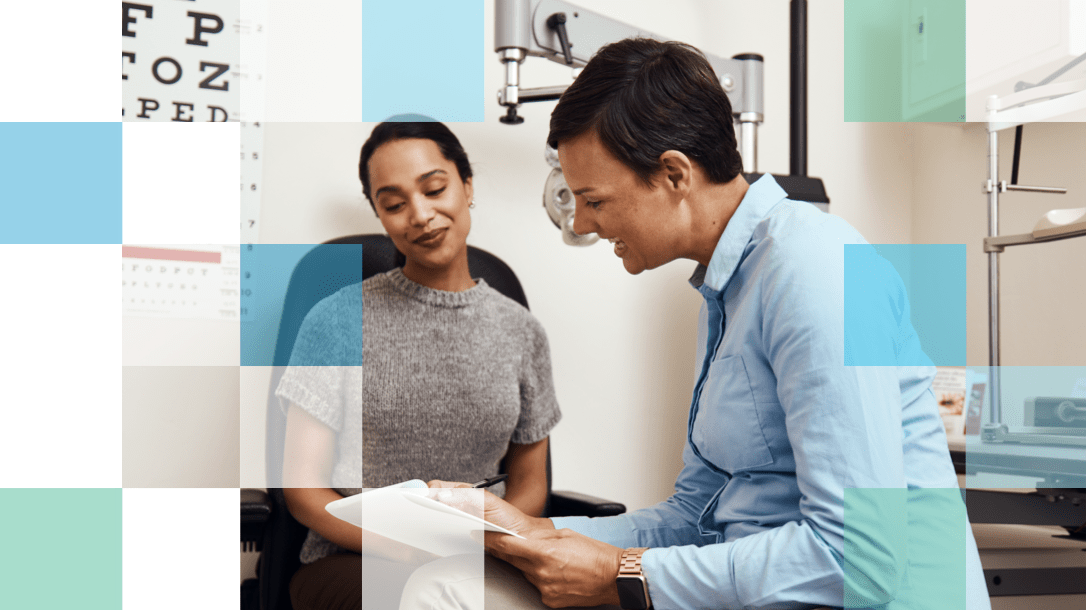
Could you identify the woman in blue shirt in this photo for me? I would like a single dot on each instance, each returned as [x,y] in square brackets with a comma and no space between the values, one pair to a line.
[806,482]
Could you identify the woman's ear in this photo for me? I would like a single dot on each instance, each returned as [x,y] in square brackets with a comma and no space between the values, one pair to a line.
[676,169]
[468,188]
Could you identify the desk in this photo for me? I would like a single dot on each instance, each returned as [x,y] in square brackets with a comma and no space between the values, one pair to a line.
[1059,504]
[1060,466]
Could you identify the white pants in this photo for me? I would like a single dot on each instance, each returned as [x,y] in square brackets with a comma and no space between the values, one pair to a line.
[471,582]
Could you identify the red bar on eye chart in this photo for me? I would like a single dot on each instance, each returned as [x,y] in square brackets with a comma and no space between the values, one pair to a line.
[167,254]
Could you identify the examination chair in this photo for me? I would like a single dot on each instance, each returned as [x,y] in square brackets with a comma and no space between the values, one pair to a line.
[266,524]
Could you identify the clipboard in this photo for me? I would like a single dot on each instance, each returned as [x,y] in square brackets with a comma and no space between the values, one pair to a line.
[405,513]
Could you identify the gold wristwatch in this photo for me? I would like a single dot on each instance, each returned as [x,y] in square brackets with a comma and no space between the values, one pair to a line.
[631,582]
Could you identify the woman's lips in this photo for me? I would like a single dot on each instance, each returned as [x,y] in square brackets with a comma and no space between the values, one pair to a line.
[431,238]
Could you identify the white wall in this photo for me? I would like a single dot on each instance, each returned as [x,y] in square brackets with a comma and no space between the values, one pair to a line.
[622,346]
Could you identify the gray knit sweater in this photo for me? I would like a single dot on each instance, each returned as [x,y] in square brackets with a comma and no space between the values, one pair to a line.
[449,380]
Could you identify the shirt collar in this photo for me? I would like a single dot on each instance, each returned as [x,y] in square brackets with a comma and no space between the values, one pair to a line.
[761,196]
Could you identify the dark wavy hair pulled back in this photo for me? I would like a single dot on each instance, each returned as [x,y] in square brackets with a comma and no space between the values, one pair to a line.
[434,131]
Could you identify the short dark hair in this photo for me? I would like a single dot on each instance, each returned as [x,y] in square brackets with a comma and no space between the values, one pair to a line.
[644,97]
[390,131]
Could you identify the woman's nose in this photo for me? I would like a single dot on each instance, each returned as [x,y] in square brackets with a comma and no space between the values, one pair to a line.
[422,212]
[583,223]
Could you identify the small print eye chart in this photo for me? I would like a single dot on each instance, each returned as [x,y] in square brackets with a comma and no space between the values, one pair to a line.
[252,136]
[245,291]
[180,281]
[252,30]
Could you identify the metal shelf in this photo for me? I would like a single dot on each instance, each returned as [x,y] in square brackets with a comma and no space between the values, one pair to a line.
[998,244]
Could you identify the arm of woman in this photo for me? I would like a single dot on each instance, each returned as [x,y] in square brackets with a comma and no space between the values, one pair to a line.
[309,450]
[527,482]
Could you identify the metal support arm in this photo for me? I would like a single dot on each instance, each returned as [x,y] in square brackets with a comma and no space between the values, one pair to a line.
[569,35]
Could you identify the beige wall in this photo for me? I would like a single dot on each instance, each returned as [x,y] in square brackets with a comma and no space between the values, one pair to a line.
[180,426]
[1042,286]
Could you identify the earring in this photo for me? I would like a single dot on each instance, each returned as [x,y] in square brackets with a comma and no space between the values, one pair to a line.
[472,204]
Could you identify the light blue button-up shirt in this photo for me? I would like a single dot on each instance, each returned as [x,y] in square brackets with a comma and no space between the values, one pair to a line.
[779,427]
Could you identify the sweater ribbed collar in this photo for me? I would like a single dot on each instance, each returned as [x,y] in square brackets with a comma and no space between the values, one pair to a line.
[437,298]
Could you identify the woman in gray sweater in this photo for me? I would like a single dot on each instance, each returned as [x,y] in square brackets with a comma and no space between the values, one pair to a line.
[456,377]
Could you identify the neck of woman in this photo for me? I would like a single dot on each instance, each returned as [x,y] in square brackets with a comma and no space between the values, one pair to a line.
[453,278]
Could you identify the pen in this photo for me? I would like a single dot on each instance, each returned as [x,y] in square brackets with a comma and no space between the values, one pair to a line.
[488,482]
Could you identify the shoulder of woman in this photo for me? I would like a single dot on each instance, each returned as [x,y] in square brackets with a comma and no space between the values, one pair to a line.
[348,298]
[519,319]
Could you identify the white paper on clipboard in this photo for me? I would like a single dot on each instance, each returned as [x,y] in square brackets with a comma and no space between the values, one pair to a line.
[407,515]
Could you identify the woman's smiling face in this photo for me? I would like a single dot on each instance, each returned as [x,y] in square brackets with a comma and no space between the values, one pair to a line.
[421,202]
[613,202]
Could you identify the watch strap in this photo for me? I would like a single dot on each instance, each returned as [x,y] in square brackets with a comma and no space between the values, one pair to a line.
[631,569]
[631,562]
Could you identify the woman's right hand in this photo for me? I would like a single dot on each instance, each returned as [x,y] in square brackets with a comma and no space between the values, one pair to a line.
[483,503]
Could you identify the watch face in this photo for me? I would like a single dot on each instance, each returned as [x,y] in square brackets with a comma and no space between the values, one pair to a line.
[632,592]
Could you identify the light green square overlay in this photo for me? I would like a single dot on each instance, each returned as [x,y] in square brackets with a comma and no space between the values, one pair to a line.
[61,548]
[904,61]
[116,546]
[905,549]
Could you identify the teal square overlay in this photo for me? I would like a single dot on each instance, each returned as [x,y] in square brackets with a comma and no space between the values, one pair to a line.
[62,548]
[305,274]
[905,549]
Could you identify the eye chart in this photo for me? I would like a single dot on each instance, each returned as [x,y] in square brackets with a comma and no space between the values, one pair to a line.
[250,172]
[180,281]
[193,61]
[251,28]
[199,60]
[177,60]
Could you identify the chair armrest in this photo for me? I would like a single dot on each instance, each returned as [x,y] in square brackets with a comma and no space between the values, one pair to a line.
[256,509]
[574,504]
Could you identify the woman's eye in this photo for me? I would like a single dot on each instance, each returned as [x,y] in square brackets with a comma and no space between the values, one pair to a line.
[436,192]
[393,208]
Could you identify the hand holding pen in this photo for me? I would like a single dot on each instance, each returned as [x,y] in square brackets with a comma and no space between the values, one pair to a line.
[488,482]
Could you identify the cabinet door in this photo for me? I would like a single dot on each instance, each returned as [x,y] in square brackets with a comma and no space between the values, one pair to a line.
[1009,41]
[934,59]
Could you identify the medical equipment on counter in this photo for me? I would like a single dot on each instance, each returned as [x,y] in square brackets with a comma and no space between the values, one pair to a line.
[570,35]
[1058,411]
[1032,104]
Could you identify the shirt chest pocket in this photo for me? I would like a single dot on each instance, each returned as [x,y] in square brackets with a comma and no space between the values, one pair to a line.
[727,430]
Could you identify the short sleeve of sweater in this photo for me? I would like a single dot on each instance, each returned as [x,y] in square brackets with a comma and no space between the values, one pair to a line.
[329,339]
[539,408]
